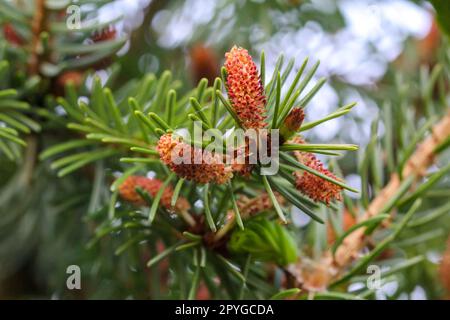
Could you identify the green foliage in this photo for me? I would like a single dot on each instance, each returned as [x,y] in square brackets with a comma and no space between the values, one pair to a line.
[265,240]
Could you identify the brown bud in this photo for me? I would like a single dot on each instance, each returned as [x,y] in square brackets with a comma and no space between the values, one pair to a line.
[74,77]
[316,188]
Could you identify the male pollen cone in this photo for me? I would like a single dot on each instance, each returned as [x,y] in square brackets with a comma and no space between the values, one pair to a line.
[245,89]
[348,222]
[249,207]
[127,191]
[211,169]
[105,34]
[311,185]
[11,35]
[427,47]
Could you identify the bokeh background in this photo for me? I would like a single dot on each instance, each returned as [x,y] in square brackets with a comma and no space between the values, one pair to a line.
[368,50]
[362,46]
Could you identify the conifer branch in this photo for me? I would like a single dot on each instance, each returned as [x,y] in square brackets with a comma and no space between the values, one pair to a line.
[414,169]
